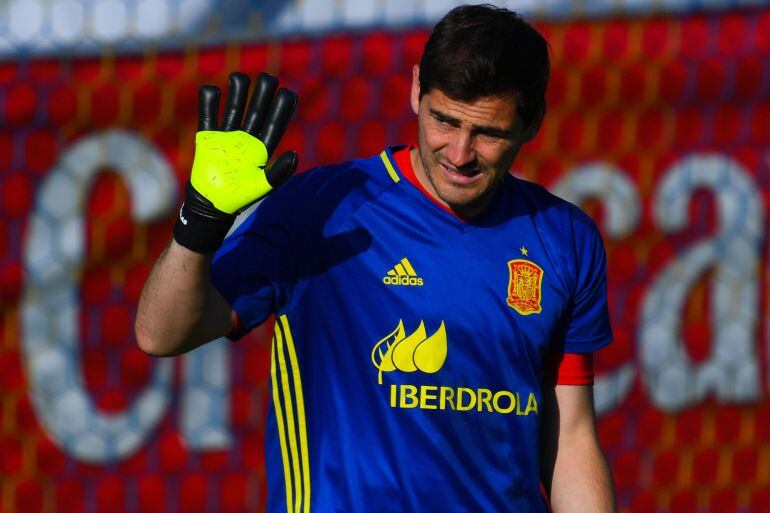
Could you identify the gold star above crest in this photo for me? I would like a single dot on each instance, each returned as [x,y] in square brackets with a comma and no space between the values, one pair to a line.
[524,251]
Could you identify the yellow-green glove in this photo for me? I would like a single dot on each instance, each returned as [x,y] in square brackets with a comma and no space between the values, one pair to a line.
[229,172]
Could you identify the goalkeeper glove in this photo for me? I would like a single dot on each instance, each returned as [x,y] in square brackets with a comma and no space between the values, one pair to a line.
[229,172]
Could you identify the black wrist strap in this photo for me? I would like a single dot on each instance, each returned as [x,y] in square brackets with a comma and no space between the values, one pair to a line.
[200,226]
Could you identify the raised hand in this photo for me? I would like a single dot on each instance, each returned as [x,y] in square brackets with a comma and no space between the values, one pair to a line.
[230,168]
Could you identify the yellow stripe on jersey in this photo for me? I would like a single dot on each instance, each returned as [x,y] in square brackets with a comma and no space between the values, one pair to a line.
[408,266]
[290,421]
[291,428]
[400,270]
[389,167]
[281,432]
[301,423]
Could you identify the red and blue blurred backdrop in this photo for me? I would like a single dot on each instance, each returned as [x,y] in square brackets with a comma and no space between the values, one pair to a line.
[658,125]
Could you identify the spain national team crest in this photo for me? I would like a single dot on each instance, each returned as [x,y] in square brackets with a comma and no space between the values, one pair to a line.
[525,286]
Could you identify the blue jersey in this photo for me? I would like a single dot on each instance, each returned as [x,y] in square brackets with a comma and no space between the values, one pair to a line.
[407,360]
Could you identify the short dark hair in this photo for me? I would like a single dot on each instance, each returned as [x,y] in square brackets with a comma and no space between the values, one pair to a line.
[477,51]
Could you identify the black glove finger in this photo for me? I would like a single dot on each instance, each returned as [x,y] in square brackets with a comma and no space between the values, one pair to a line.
[277,119]
[283,167]
[261,98]
[237,92]
[208,105]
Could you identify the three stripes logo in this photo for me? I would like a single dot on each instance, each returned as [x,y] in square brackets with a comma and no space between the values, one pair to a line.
[289,405]
[403,274]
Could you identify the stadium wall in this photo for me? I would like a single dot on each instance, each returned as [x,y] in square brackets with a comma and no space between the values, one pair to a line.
[658,126]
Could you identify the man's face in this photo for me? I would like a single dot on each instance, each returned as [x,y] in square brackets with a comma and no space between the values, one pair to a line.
[465,148]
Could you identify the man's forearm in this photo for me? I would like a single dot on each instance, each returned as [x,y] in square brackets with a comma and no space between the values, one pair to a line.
[179,309]
[581,478]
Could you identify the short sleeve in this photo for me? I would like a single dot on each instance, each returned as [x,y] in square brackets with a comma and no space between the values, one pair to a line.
[252,268]
[587,323]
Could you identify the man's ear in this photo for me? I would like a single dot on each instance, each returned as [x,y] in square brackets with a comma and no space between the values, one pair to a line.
[534,126]
[415,93]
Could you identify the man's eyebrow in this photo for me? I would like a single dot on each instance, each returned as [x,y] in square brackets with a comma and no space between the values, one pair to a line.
[444,117]
[492,130]
[479,129]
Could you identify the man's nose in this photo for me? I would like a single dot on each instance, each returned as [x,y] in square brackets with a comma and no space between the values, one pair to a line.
[460,150]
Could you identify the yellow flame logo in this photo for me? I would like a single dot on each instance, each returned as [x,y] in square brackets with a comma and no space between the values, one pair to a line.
[409,353]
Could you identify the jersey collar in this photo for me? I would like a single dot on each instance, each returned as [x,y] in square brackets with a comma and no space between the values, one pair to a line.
[398,163]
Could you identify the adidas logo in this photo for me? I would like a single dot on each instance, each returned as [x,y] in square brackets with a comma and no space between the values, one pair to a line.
[402,274]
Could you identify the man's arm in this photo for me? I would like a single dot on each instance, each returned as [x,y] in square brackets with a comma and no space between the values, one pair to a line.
[179,309]
[574,471]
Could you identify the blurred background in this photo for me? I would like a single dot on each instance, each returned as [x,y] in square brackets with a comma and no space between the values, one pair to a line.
[658,126]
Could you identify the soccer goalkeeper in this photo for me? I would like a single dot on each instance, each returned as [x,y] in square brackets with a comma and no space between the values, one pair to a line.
[435,316]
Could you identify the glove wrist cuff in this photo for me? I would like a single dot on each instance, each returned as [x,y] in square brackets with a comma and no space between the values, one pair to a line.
[200,226]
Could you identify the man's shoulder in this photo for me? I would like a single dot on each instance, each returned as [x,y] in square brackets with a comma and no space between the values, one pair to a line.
[565,217]
[336,181]
[322,193]
[568,234]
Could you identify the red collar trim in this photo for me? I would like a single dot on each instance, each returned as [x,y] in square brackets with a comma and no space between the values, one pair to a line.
[403,160]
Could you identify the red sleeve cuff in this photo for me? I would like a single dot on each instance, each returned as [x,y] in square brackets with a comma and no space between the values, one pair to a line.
[569,368]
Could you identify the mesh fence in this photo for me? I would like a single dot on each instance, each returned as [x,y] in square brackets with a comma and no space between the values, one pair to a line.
[658,127]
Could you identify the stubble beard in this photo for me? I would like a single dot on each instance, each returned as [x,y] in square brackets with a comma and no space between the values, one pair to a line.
[468,205]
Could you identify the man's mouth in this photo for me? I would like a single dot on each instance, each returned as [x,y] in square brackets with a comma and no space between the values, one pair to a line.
[460,176]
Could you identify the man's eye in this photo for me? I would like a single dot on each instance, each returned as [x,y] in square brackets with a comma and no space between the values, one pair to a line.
[492,137]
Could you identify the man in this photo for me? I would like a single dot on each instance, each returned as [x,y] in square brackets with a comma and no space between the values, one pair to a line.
[424,298]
